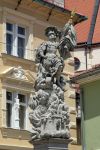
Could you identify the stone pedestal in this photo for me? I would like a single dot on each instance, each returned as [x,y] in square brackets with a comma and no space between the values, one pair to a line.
[51,144]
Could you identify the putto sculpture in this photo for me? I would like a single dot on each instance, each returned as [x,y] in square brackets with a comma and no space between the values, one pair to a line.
[50,114]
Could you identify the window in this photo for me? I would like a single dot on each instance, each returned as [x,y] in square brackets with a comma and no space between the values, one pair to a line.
[15,40]
[9,109]
[59,3]
[16,115]
[22,110]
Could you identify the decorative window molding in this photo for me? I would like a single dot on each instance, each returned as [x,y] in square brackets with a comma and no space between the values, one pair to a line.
[15,106]
[17,41]
[19,73]
[23,20]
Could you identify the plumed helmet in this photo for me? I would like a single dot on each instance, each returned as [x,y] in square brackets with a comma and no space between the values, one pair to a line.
[50,30]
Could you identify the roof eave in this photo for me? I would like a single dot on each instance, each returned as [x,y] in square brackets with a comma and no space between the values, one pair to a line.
[88,76]
[79,18]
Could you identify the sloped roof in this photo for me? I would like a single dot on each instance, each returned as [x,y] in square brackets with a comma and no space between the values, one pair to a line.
[87,73]
[96,36]
[85,7]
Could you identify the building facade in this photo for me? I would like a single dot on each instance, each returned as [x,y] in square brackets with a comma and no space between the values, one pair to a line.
[86,54]
[89,82]
[22,25]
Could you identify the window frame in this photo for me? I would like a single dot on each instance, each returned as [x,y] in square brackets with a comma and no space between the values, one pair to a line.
[11,33]
[13,102]
[15,35]
[26,106]
[9,102]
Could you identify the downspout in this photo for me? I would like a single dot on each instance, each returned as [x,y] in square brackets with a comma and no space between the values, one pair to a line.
[86,49]
[92,27]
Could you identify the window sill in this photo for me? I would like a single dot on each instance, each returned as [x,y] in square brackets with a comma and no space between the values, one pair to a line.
[13,60]
[15,133]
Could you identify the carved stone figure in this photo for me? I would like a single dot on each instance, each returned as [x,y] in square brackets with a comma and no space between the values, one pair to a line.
[50,114]
[52,64]
[19,73]
[39,104]
[68,39]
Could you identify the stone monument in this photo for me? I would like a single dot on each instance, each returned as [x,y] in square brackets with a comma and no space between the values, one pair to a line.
[50,114]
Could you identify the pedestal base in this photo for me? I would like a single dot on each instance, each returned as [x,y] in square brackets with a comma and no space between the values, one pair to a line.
[51,144]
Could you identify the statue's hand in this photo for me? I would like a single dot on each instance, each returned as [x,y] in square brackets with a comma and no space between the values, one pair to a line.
[45,57]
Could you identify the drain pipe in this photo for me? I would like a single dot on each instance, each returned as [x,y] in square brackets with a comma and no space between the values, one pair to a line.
[86,60]
[92,27]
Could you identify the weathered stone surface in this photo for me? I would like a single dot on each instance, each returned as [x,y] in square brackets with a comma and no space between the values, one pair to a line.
[50,114]
[51,144]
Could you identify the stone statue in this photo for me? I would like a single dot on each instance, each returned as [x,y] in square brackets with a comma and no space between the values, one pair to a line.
[50,114]
[67,39]
[51,64]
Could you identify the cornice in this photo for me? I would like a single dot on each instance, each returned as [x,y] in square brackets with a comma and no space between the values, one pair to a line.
[25,16]
[24,61]
[88,79]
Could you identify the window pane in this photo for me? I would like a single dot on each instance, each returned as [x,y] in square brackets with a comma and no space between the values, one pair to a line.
[9,43]
[21,30]
[9,96]
[9,27]
[22,113]
[21,46]
[21,98]
[8,114]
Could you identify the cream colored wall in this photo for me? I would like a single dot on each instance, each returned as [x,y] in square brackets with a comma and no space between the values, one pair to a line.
[36,22]
[92,57]
[0,104]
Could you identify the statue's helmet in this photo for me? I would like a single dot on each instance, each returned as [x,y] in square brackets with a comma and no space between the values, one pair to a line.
[51,30]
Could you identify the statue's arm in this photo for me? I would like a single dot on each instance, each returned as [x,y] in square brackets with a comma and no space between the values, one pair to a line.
[42,50]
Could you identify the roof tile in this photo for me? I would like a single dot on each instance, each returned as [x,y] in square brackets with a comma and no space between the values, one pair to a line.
[85,7]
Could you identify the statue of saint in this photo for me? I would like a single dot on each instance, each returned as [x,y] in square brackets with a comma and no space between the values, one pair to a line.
[68,39]
[50,61]
[50,114]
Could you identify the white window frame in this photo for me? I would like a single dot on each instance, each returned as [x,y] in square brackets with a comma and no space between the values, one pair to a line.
[15,35]
[26,110]
[11,33]
[15,102]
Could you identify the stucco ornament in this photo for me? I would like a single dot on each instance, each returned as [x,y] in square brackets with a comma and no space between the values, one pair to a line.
[50,114]
[19,73]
